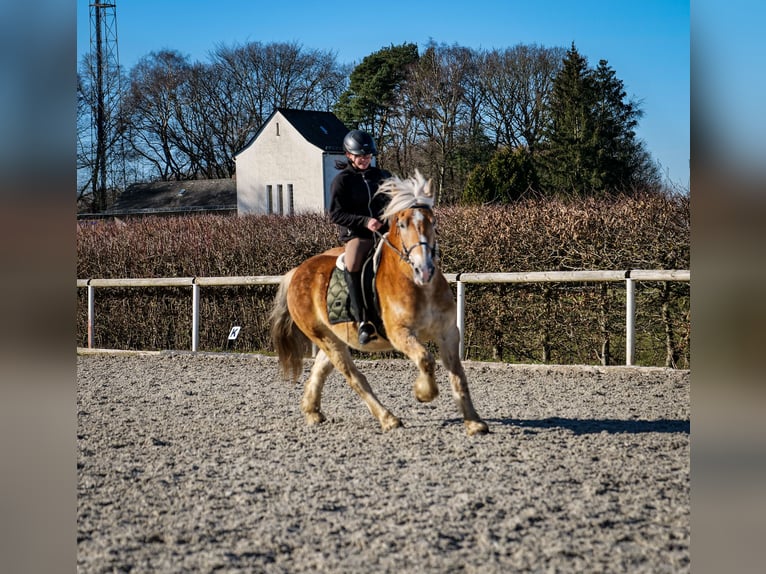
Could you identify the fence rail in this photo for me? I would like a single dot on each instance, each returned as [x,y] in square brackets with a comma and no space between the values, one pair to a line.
[630,277]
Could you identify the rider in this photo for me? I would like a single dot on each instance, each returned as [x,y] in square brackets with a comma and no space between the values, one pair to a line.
[356,209]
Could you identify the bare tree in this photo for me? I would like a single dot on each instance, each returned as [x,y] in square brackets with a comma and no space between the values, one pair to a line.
[436,89]
[99,156]
[85,160]
[280,75]
[152,107]
[188,120]
[198,131]
[221,115]
[301,79]
[399,150]
[517,83]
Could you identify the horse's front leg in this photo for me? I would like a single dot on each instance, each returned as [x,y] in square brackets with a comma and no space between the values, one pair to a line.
[425,384]
[449,349]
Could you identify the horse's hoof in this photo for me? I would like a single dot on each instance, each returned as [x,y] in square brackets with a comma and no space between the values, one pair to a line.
[390,422]
[476,427]
[426,389]
[314,418]
[427,395]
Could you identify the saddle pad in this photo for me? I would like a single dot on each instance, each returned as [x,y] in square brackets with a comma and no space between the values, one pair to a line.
[338,308]
[337,298]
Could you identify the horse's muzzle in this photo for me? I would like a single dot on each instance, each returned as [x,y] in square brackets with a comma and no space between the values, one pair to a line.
[423,273]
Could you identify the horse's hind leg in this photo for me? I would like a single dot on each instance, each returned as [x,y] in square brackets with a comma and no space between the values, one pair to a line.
[449,350]
[341,358]
[312,392]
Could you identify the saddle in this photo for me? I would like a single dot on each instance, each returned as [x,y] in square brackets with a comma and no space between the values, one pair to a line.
[338,309]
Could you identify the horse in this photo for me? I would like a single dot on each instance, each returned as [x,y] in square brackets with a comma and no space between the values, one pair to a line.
[416,306]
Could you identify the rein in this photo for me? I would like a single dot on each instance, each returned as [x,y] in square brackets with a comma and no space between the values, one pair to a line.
[403,256]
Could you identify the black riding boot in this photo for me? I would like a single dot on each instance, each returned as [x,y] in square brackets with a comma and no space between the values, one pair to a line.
[354,282]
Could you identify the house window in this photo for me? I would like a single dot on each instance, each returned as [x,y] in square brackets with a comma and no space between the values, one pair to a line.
[280,200]
[269,200]
[290,200]
[277,124]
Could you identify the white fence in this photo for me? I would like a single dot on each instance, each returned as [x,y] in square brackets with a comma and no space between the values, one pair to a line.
[461,279]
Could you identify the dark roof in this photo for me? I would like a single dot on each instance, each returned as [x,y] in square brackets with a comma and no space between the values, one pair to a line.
[322,129]
[168,197]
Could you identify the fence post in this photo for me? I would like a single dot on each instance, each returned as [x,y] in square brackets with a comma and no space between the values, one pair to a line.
[91,313]
[630,319]
[195,315]
[461,316]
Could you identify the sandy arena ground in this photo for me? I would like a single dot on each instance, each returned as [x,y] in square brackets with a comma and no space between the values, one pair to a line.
[203,463]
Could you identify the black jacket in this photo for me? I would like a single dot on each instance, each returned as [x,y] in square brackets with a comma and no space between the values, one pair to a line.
[353,201]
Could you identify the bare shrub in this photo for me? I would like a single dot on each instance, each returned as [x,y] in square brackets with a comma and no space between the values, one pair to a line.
[564,323]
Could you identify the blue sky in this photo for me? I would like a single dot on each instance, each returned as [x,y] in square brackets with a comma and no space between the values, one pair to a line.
[646,42]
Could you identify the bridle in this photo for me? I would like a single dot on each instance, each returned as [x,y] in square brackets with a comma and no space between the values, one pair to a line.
[404,253]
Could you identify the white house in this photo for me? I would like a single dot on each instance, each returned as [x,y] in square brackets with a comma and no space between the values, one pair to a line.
[289,164]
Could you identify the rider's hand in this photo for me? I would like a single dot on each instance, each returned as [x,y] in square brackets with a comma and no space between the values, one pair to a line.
[373,224]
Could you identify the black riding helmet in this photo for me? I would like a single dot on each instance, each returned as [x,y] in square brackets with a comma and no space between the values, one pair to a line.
[358,142]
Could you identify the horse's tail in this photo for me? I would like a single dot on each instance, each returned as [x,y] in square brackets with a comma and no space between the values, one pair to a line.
[289,342]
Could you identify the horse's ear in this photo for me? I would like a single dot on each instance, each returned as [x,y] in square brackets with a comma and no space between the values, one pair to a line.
[427,189]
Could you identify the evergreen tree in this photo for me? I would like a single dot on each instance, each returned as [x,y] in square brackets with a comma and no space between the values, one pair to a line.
[566,160]
[627,164]
[509,176]
[373,87]
[614,135]
[591,146]
[471,151]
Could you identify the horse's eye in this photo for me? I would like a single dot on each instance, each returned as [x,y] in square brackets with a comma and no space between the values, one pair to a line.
[402,224]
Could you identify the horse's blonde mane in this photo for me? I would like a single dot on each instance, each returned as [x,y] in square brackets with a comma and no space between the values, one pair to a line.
[405,193]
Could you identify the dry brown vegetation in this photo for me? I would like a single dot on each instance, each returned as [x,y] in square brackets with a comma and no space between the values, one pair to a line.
[561,323]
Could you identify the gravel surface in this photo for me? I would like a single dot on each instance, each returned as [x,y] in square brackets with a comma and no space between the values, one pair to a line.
[203,463]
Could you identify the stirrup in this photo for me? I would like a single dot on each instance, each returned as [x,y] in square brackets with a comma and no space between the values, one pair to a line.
[366,332]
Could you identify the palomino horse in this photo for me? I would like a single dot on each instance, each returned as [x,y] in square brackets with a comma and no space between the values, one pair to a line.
[416,305]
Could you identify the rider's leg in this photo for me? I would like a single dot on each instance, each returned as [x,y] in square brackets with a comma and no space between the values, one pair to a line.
[356,251]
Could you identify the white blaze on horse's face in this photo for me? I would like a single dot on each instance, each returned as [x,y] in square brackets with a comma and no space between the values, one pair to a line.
[417,237]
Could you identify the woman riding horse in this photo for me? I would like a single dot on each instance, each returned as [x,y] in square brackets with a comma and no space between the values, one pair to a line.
[356,209]
[416,302]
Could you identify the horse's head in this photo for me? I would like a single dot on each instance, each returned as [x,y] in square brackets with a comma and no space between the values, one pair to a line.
[411,222]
